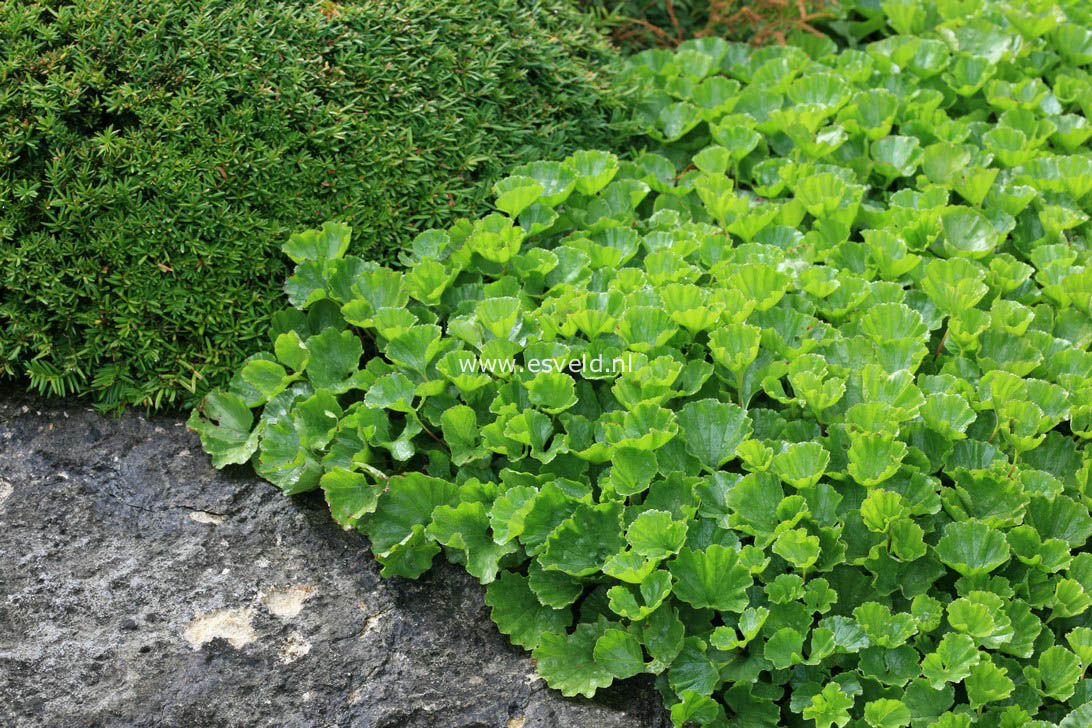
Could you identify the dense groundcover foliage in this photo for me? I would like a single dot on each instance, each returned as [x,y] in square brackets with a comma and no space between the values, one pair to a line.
[157,153]
[824,462]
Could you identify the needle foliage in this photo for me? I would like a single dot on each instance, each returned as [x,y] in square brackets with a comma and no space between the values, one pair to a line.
[155,155]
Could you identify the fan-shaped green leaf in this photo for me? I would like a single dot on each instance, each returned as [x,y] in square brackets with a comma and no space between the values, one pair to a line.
[972,548]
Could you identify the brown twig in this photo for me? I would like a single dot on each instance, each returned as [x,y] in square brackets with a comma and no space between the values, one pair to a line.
[670,7]
[762,19]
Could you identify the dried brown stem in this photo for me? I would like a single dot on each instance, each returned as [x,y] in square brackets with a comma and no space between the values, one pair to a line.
[765,20]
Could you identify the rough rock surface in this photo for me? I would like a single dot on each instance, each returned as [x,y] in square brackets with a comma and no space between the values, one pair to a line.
[141,587]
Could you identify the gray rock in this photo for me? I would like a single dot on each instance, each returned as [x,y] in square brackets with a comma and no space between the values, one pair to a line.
[141,587]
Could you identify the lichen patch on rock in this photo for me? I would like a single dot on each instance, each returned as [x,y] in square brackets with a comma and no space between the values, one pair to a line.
[232,625]
[287,603]
[294,647]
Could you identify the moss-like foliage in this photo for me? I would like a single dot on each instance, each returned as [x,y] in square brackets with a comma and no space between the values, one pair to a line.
[156,154]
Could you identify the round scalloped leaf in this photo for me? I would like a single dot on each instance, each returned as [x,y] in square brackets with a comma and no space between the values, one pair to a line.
[1060,517]
[567,661]
[580,545]
[874,458]
[887,713]
[1056,674]
[712,577]
[335,355]
[830,706]
[801,464]
[897,156]
[516,193]
[784,648]
[712,430]
[553,588]
[224,423]
[1073,42]
[953,285]
[649,595]
[655,534]
[987,683]
[350,495]
[620,653]
[967,232]
[518,614]
[466,526]
[951,661]
[408,501]
[972,548]
[319,245]
[593,169]
[552,392]
[797,547]
[1082,716]
[947,414]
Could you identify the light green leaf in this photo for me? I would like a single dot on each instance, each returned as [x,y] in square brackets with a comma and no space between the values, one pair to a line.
[874,458]
[972,548]
[552,392]
[632,470]
[952,660]
[414,348]
[712,430]
[711,578]
[593,169]
[224,423]
[350,495]
[655,535]
[1057,673]
[987,683]
[798,548]
[516,193]
[886,713]
[784,648]
[830,706]
[801,464]
[335,355]
[567,661]
[319,245]
[392,391]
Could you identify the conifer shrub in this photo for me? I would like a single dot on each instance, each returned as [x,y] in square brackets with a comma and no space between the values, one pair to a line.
[157,153]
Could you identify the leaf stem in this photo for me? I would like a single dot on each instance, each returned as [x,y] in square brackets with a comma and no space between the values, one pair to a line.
[428,431]
[374,471]
[940,346]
